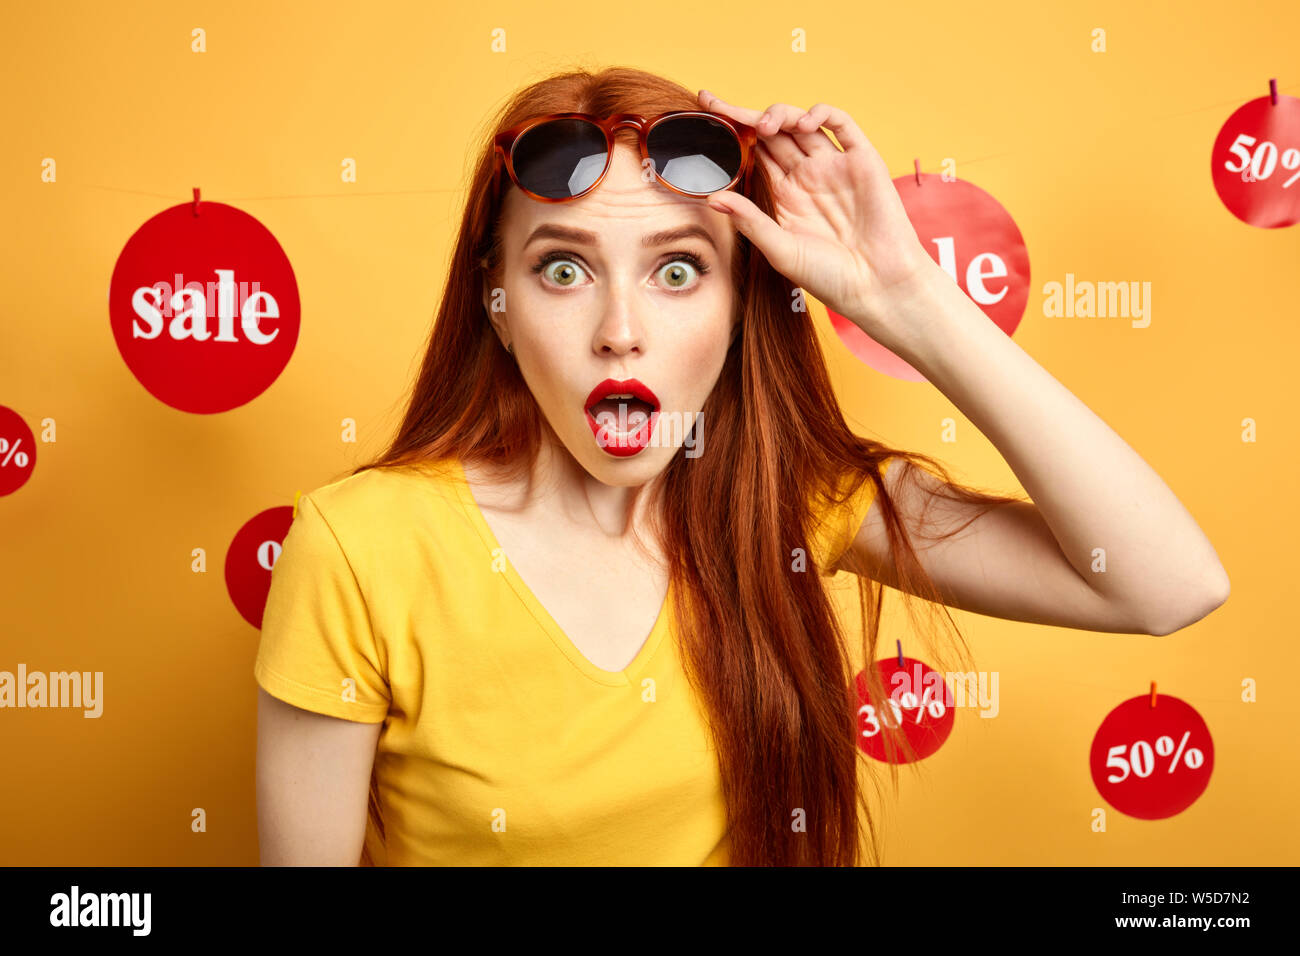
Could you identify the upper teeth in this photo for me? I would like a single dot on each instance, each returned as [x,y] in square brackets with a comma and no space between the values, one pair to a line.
[624,395]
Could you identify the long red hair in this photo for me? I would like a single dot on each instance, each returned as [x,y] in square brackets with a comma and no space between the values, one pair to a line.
[762,645]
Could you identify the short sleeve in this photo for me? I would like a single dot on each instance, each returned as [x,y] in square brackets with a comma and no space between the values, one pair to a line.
[838,526]
[317,649]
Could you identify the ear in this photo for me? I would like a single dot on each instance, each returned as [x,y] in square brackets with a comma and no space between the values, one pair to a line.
[497,319]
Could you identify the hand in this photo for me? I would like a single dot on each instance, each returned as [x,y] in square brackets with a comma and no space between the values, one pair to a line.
[841,233]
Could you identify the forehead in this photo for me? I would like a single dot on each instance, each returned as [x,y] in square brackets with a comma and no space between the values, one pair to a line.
[624,210]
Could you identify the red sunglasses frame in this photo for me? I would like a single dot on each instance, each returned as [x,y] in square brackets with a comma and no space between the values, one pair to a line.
[504,147]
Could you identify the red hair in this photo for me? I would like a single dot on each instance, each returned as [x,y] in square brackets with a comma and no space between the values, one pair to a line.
[762,645]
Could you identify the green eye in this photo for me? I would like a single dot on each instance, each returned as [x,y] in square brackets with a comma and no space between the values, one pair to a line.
[562,271]
[676,274]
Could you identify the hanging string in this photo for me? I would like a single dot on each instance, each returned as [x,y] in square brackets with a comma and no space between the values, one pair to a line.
[342,195]
[1223,104]
[349,194]
[1111,688]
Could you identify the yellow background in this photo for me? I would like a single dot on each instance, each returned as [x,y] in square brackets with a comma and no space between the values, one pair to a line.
[1102,160]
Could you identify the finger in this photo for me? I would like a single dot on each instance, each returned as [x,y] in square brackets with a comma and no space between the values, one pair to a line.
[717,104]
[774,171]
[784,150]
[810,139]
[779,143]
[773,241]
[846,131]
[852,139]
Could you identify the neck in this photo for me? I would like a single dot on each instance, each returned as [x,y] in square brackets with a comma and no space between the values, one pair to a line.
[562,486]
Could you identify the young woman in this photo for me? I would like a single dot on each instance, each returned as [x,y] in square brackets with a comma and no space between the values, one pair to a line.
[577,612]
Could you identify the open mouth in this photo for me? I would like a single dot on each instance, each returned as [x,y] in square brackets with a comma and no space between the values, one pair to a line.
[622,415]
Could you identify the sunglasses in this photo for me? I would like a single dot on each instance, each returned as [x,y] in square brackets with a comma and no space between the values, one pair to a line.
[562,156]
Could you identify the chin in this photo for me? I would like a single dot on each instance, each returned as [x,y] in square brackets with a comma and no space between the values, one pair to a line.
[624,470]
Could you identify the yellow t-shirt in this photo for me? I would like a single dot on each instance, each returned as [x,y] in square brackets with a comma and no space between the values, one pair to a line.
[502,745]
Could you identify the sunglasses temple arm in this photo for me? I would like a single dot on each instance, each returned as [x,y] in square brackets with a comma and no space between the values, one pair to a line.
[499,174]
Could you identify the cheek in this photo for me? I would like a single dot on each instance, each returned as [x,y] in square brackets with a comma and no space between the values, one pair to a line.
[698,354]
[544,354]
[532,324]
[701,354]
[706,346]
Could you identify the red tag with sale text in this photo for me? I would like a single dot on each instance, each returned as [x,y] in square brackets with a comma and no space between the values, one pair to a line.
[918,709]
[204,308]
[1256,162]
[1152,762]
[975,240]
[251,557]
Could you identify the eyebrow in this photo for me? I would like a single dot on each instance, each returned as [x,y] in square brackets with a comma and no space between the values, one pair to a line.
[649,241]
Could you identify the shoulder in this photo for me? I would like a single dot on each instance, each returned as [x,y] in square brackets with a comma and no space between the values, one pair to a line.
[838,512]
[401,530]
[376,501]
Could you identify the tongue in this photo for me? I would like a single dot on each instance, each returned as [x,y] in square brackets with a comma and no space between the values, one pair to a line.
[637,412]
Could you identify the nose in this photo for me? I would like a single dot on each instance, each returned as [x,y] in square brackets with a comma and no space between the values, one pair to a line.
[621,330]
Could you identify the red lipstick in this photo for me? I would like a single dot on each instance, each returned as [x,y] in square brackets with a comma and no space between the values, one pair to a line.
[616,422]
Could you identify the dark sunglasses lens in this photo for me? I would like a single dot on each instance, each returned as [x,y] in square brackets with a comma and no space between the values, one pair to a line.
[561,158]
[694,153]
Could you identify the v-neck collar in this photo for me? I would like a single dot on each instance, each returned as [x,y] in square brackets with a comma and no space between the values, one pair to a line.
[626,677]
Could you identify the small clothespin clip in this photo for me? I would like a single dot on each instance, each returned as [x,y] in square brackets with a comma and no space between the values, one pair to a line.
[196,202]
[296,496]
[1153,693]
[1272,90]
[916,163]
[900,652]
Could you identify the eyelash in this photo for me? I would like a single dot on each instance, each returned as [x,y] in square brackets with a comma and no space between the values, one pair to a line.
[696,262]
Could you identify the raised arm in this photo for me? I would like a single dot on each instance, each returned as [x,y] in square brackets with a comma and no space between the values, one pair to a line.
[842,235]
[1006,563]
[1106,545]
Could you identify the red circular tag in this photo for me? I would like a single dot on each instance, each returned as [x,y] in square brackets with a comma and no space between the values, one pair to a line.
[919,707]
[17,451]
[978,244]
[1256,162]
[1152,762]
[251,557]
[204,308]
